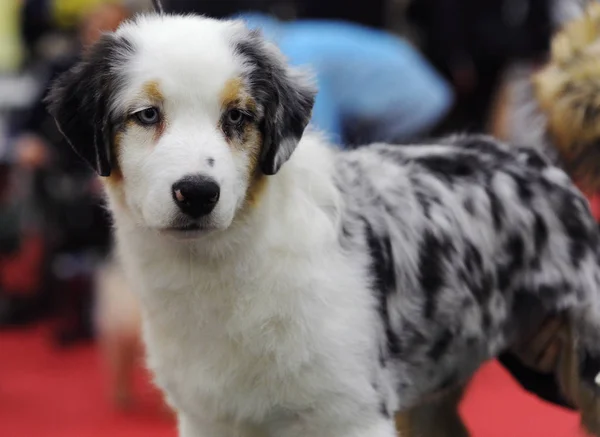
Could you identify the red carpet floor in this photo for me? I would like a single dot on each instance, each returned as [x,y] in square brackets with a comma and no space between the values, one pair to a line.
[46,393]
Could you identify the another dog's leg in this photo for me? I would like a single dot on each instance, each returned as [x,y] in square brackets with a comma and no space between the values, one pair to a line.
[118,324]
[437,418]
[580,392]
[121,354]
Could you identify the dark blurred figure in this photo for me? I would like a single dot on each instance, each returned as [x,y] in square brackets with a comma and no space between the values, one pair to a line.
[65,194]
[471,42]
[371,13]
[36,21]
[216,8]
[372,86]
[21,255]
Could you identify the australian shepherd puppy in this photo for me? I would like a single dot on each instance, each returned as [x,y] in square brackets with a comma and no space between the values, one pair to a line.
[289,289]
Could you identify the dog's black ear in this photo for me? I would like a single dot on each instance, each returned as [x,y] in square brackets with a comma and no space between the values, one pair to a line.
[79,101]
[158,6]
[286,95]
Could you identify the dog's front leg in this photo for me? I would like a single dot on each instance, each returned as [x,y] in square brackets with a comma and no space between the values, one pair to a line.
[195,427]
[379,426]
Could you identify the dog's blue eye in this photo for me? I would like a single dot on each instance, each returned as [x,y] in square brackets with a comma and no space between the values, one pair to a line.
[148,116]
[234,116]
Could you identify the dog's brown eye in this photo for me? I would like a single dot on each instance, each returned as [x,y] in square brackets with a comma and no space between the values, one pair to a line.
[148,116]
[235,116]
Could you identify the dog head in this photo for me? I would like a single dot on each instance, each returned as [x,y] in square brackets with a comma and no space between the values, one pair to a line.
[184,116]
[567,91]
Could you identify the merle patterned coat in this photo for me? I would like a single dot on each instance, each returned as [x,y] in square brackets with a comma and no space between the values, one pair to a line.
[472,244]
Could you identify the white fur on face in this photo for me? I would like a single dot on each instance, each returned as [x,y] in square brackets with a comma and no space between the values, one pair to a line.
[193,71]
[189,79]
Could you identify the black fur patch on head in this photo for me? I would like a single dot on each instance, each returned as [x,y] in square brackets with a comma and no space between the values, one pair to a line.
[287,100]
[79,102]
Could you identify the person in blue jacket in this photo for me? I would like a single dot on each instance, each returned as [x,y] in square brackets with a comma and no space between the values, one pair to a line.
[373,86]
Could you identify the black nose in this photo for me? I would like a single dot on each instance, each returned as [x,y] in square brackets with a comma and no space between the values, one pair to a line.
[196,196]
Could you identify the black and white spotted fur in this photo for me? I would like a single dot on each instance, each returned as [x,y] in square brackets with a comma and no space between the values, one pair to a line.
[471,243]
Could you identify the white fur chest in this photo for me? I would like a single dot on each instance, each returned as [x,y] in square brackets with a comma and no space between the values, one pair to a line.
[248,337]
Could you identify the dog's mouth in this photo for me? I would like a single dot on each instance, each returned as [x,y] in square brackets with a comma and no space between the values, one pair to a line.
[186,230]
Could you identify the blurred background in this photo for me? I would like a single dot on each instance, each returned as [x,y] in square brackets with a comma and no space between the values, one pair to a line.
[388,70]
